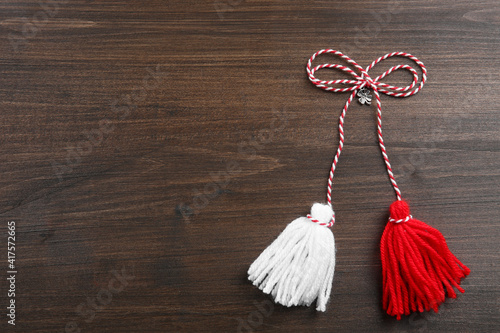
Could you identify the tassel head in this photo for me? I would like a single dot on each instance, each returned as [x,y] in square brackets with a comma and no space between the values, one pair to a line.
[418,268]
[399,210]
[298,267]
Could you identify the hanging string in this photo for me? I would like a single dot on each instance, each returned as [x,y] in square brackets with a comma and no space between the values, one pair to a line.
[359,86]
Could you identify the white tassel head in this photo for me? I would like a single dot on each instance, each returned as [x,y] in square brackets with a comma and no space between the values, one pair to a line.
[297,268]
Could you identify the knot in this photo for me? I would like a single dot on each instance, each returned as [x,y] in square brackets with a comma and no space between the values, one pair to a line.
[368,80]
[364,80]
[322,214]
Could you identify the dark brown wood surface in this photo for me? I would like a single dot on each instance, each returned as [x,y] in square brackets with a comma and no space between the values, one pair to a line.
[152,149]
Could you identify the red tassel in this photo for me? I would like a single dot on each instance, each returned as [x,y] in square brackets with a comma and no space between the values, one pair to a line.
[417,266]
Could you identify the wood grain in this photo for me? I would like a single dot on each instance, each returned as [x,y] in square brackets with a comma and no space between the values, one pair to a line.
[168,143]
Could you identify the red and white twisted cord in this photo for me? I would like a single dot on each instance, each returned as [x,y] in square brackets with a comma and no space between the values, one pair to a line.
[359,82]
[329,224]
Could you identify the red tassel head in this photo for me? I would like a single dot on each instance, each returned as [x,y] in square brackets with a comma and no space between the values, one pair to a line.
[399,210]
[418,268]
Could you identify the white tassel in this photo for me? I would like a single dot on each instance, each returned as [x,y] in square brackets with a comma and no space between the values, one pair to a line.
[297,268]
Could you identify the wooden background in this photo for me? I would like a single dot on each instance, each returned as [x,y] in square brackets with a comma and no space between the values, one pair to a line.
[169,143]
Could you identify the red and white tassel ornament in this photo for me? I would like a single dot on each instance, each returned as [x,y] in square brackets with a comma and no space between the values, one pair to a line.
[297,268]
[418,268]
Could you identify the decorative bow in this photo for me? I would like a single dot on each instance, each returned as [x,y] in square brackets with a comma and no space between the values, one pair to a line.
[364,80]
[360,86]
